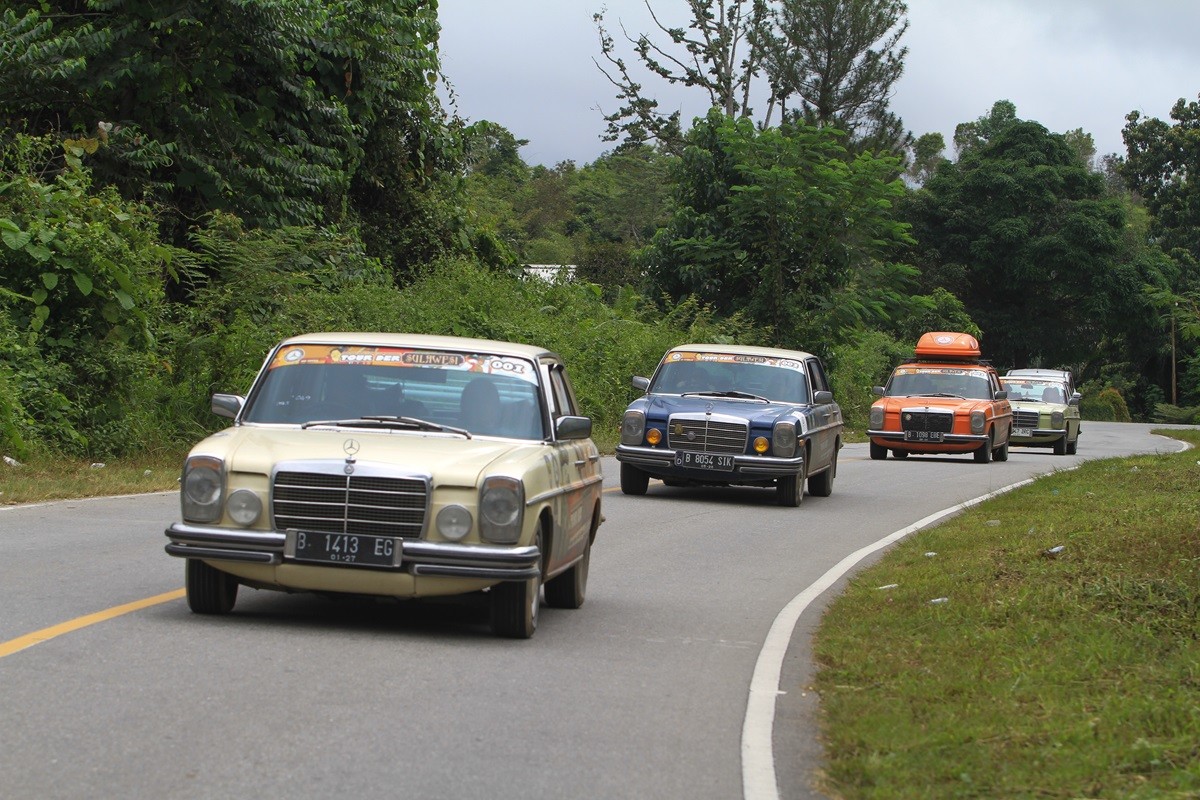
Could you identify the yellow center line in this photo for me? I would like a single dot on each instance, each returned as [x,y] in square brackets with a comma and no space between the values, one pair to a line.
[54,631]
[46,634]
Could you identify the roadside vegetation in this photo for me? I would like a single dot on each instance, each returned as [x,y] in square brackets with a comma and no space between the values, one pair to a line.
[1042,644]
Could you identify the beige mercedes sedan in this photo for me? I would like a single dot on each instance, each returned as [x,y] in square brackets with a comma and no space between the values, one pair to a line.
[396,465]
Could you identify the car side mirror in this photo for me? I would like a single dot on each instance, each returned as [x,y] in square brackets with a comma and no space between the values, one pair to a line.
[572,427]
[877,390]
[1001,395]
[1075,398]
[822,397]
[227,405]
[640,383]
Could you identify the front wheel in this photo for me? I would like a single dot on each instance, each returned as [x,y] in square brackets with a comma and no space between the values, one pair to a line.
[633,480]
[515,604]
[984,454]
[789,490]
[878,452]
[822,485]
[209,591]
[1000,453]
[1060,446]
[1073,446]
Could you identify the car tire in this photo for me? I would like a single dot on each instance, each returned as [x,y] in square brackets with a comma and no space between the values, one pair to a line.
[569,589]
[822,485]
[984,454]
[209,591]
[633,480]
[789,490]
[878,452]
[1060,446]
[1000,453]
[516,605]
[1073,446]
[900,454]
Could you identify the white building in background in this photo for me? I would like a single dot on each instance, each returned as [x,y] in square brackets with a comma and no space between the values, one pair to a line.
[551,272]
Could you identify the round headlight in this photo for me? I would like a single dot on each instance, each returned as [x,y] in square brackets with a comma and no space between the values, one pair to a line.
[761,444]
[632,426]
[654,436]
[454,522]
[783,440]
[202,486]
[501,506]
[244,507]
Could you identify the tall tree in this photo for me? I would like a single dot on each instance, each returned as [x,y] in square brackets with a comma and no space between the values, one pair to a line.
[718,52]
[778,224]
[270,109]
[835,62]
[1025,234]
[1162,167]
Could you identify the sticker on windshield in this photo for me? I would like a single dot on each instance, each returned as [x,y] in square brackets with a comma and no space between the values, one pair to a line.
[400,357]
[736,358]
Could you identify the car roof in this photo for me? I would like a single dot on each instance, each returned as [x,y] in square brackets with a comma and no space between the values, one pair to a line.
[423,341]
[742,350]
[1060,374]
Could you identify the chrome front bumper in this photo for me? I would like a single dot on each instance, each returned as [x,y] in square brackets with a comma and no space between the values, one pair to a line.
[660,461]
[949,438]
[418,557]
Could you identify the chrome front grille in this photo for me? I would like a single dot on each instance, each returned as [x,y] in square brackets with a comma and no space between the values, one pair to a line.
[1025,419]
[357,504]
[707,436]
[926,421]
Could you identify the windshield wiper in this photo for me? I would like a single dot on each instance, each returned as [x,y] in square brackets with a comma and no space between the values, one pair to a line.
[938,394]
[728,393]
[377,421]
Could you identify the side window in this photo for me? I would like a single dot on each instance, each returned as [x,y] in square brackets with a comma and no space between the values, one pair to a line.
[816,374]
[564,401]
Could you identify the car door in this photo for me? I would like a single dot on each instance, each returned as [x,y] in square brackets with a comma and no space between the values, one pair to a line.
[575,464]
[824,416]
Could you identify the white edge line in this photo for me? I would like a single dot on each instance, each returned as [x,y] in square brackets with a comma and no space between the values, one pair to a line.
[758,757]
[759,781]
[16,506]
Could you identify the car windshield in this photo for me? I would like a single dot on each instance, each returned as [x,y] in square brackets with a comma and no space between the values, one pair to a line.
[482,393]
[1035,391]
[911,381]
[781,379]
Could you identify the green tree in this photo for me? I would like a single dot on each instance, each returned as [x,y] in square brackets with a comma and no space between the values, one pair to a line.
[1162,167]
[780,224]
[266,108]
[836,62]
[719,52]
[1024,233]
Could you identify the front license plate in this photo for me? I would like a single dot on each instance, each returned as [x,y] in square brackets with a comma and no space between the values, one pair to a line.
[923,436]
[1022,432]
[348,549]
[686,458]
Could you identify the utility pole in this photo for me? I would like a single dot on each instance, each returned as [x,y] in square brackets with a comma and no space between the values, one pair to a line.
[1174,396]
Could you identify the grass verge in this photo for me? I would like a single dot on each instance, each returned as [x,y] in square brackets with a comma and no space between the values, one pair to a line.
[1063,662]
[43,478]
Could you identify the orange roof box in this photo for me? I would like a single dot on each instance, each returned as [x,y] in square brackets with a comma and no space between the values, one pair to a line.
[947,344]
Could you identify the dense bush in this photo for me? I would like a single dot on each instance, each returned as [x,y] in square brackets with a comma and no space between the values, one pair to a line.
[1176,415]
[1105,405]
[80,293]
[858,365]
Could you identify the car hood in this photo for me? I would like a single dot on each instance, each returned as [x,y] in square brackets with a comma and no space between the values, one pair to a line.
[947,403]
[1040,408]
[660,406]
[454,460]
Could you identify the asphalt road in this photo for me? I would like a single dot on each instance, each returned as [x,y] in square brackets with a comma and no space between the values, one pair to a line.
[642,693]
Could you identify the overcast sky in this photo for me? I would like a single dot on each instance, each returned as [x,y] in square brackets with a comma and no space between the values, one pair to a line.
[528,65]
